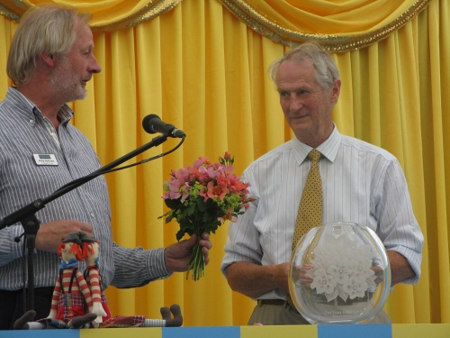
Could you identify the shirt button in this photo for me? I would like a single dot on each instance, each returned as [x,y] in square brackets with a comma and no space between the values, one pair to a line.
[92,215]
[31,121]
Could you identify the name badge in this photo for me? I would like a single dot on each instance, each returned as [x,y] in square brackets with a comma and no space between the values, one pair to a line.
[45,159]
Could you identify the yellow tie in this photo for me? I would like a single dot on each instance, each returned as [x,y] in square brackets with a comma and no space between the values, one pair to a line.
[310,209]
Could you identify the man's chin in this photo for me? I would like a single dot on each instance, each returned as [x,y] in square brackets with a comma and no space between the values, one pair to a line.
[301,128]
[78,95]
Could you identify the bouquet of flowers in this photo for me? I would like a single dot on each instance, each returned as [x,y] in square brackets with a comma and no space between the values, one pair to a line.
[201,198]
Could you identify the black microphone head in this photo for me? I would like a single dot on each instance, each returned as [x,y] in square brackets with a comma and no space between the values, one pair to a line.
[147,123]
[153,124]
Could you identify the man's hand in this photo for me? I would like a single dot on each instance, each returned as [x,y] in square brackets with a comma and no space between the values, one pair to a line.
[300,273]
[177,255]
[50,234]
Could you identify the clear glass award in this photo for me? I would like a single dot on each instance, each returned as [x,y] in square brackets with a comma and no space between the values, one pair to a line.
[339,273]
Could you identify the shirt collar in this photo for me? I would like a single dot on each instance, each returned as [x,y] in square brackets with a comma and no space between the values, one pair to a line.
[329,148]
[29,110]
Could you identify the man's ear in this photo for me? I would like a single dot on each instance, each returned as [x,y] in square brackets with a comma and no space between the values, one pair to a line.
[49,59]
[335,90]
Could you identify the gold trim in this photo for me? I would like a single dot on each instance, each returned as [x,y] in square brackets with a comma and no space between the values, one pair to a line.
[332,43]
[14,9]
[148,12]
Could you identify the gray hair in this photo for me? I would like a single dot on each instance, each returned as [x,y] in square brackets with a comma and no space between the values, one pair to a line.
[326,69]
[48,29]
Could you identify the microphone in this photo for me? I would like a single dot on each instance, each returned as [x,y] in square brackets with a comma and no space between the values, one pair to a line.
[153,124]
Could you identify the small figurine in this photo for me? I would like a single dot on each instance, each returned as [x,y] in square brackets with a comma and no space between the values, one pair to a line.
[78,300]
[90,249]
[71,298]
[100,305]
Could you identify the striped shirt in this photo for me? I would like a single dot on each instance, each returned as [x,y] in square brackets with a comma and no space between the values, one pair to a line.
[24,132]
[361,184]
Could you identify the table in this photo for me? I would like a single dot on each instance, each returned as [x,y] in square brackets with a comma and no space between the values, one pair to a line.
[304,331]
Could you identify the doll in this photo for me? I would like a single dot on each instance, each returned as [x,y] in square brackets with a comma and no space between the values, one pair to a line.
[71,297]
[93,278]
[78,300]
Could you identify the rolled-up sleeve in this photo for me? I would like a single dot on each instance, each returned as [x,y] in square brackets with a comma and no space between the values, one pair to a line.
[398,228]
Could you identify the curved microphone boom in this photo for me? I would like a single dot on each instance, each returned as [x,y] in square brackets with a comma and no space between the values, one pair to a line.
[153,124]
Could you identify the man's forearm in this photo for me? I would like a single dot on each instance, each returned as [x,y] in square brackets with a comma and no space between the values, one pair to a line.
[400,268]
[255,280]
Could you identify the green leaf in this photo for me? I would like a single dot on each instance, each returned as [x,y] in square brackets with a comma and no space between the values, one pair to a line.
[173,204]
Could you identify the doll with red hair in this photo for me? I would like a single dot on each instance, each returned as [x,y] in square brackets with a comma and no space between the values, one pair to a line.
[72,296]
[99,302]
[78,300]
[93,278]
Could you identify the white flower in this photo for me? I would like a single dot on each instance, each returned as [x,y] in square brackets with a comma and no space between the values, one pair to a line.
[355,287]
[359,263]
[323,283]
[362,273]
[339,272]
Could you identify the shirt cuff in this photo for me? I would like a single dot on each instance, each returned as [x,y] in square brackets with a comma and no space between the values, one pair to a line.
[156,265]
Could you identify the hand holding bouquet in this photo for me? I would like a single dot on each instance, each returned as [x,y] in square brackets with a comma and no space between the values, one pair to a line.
[201,198]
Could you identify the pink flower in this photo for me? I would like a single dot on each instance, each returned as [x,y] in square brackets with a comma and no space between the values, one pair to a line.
[208,172]
[182,174]
[219,190]
[201,162]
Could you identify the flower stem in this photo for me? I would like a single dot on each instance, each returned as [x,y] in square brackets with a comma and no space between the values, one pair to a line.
[196,263]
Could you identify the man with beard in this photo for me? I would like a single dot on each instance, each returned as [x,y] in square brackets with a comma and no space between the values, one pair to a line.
[50,61]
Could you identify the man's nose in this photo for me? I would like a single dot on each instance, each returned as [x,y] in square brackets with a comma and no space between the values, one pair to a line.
[94,66]
[295,103]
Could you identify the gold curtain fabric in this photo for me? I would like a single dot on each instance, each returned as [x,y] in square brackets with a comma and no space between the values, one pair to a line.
[339,25]
[107,15]
[202,69]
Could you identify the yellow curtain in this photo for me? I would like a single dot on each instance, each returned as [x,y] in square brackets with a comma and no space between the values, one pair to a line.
[202,69]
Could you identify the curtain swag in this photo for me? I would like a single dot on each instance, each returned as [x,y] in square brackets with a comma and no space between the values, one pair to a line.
[107,15]
[337,25]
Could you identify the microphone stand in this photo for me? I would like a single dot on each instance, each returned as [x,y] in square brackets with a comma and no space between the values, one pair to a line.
[30,223]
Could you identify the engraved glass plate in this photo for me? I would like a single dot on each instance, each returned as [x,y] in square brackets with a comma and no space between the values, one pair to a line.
[339,273]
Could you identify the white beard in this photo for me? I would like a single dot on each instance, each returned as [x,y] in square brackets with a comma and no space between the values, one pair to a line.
[67,85]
